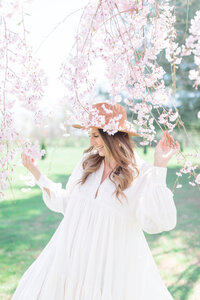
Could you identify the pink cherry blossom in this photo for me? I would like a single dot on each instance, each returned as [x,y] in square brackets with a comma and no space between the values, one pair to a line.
[22,81]
[127,38]
[197,179]
[178,174]
[192,46]
[179,186]
[128,68]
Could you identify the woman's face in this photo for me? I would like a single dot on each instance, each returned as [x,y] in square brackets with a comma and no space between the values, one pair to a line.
[96,141]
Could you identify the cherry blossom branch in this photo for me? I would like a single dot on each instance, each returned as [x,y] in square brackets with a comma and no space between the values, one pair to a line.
[22,81]
[137,33]
[56,27]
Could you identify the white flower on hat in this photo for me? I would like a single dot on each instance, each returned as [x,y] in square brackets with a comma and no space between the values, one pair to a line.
[108,111]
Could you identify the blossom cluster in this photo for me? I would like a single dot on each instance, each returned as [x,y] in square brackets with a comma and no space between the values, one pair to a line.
[192,46]
[21,84]
[127,37]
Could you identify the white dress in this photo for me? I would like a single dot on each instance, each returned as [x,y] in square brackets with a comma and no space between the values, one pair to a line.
[99,251]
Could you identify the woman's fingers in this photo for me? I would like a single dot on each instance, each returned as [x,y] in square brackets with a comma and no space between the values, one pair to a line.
[168,141]
[169,138]
[163,144]
[164,140]
[26,160]
[177,145]
[23,157]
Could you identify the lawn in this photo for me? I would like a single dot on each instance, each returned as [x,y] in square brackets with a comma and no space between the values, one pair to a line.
[177,253]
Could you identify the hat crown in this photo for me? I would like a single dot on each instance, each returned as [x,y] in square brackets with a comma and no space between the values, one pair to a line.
[111,111]
[111,117]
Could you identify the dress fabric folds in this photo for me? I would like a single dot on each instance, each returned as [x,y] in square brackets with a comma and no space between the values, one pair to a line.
[99,251]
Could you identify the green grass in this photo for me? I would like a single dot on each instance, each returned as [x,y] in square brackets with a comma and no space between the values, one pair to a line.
[177,253]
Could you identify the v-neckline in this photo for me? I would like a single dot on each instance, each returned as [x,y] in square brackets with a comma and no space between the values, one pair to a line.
[100,182]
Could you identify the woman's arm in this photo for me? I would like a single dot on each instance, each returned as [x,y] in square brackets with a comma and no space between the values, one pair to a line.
[29,163]
[55,197]
[156,211]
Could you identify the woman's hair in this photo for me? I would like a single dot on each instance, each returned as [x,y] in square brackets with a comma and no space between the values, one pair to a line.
[120,147]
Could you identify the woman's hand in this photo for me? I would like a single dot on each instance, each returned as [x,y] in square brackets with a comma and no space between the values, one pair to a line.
[165,149]
[29,163]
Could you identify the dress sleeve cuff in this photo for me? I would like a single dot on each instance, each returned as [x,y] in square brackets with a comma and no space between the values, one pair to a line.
[43,181]
[160,175]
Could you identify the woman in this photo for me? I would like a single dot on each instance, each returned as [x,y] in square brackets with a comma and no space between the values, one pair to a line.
[99,251]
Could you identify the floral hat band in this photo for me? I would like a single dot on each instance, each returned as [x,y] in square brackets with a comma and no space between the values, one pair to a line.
[111,117]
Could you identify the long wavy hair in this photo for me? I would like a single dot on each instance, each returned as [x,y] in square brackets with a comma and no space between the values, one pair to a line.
[120,147]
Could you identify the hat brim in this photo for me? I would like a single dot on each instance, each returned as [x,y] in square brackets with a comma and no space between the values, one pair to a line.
[78,126]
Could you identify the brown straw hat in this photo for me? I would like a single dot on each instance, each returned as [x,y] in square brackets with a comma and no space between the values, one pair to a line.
[111,117]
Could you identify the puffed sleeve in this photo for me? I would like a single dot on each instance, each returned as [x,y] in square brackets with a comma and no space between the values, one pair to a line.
[58,196]
[155,210]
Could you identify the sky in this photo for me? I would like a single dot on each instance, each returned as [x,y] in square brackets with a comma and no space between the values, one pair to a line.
[51,29]
[53,49]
